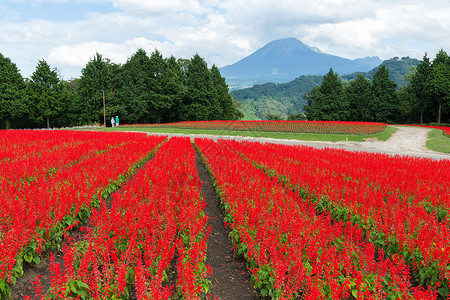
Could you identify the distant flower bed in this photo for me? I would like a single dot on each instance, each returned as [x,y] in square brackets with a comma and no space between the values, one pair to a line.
[446,130]
[326,127]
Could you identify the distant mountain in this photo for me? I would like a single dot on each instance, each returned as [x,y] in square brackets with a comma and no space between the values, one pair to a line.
[287,98]
[286,59]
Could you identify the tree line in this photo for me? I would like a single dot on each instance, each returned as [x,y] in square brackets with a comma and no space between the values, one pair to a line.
[425,99]
[146,89]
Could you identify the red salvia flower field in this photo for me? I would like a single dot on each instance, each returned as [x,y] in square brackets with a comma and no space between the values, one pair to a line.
[328,127]
[125,212]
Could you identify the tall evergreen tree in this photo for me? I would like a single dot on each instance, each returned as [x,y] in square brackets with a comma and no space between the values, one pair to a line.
[11,92]
[47,95]
[359,94]
[421,97]
[312,108]
[328,102]
[438,85]
[225,100]
[134,89]
[174,89]
[161,99]
[199,101]
[71,115]
[98,75]
[384,105]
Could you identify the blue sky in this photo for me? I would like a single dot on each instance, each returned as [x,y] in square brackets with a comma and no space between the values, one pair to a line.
[69,33]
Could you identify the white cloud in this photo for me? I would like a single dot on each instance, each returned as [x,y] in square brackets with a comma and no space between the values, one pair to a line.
[79,55]
[154,7]
[224,31]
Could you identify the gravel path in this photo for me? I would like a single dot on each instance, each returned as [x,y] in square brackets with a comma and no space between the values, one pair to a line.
[408,140]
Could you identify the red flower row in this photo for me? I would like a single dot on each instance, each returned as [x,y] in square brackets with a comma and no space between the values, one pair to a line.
[291,249]
[34,213]
[401,203]
[328,127]
[134,241]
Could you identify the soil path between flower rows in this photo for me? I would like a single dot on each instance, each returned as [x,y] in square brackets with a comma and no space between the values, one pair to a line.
[230,278]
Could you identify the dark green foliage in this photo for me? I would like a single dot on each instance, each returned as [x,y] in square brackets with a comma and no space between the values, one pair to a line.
[199,102]
[160,100]
[134,90]
[359,95]
[361,100]
[97,76]
[328,101]
[12,104]
[438,85]
[428,90]
[173,88]
[420,97]
[154,90]
[225,100]
[47,96]
[384,106]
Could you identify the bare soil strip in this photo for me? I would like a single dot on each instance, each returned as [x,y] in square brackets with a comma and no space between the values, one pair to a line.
[230,278]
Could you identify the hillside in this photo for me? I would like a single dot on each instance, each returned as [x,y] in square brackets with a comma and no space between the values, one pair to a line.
[287,98]
[284,60]
[398,68]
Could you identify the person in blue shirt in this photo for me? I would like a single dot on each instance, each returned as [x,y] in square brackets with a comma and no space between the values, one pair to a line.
[117,120]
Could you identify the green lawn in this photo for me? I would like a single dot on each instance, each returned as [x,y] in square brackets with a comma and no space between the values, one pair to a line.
[437,141]
[277,135]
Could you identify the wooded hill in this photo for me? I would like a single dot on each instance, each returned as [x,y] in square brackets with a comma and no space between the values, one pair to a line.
[281,100]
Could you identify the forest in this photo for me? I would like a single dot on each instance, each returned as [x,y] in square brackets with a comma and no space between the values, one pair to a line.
[425,98]
[145,89]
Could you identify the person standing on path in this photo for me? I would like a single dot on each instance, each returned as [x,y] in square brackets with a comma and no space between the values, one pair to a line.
[117,121]
[113,122]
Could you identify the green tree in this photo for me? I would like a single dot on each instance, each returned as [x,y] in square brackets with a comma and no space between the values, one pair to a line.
[11,92]
[199,102]
[384,105]
[173,87]
[134,89]
[421,97]
[71,115]
[225,100]
[359,95]
[46,93]
[312,109]
[438,85]
[161,99]
[98,75]
[328,101]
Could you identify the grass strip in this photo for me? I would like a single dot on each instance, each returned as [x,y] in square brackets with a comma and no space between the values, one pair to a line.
[437,141]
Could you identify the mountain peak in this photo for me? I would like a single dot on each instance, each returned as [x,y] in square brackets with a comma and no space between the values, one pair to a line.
[287,46]
[286,59]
